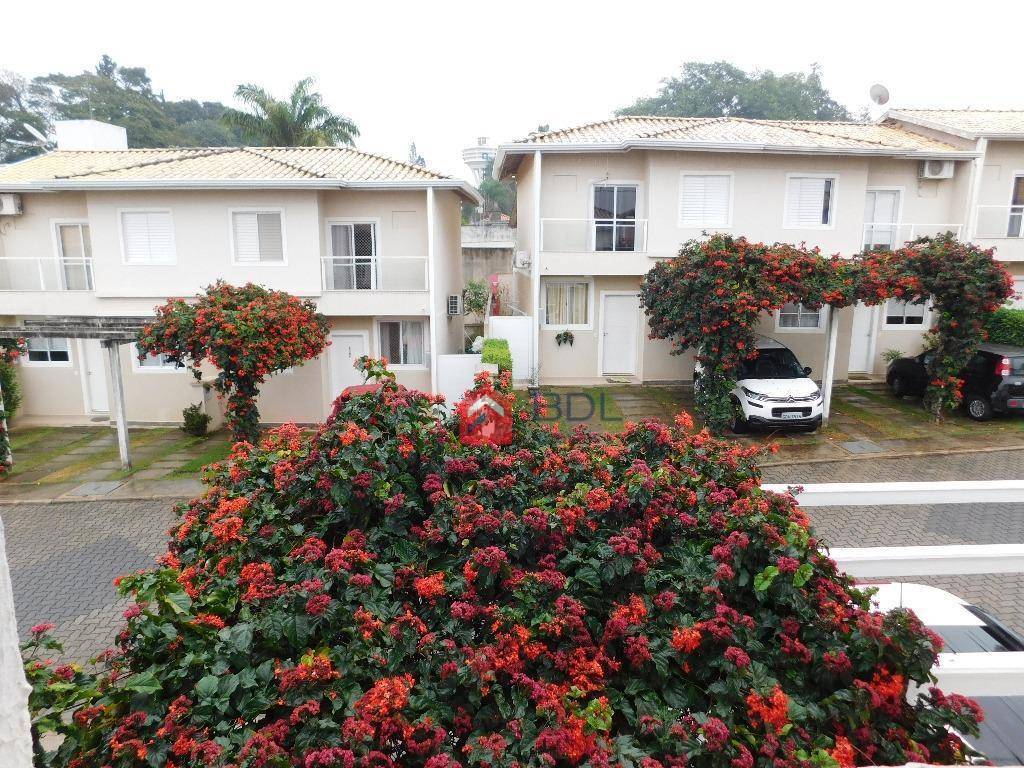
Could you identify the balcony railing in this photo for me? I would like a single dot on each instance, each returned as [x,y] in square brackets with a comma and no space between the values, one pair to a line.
[46,273]
[374,273]
[887,236]
[1000,221]
[593,235]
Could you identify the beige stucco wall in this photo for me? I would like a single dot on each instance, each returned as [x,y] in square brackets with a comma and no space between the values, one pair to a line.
[448,271]
[1003,160]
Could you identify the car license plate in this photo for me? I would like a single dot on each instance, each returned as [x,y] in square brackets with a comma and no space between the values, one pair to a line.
[791,415]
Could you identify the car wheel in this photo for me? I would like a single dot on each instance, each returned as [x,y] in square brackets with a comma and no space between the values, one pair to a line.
[899,388]
[739,424]
[978,407]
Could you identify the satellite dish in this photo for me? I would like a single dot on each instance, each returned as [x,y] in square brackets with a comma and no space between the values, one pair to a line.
[879,94]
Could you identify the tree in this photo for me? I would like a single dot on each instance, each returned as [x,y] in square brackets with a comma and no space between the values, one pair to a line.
[247,333]
[10,395]
[388,592]
[720,89]
[301,121]
[20,103]
[499,196]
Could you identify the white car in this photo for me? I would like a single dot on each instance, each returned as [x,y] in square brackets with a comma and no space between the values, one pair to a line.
[775,391]
[965,628]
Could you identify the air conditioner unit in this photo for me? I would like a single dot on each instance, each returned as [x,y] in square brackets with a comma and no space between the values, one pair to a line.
[936,169]
[454,304]
[10,204]
[521,260]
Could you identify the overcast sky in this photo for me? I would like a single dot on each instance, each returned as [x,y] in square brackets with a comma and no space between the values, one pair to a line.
[442,73]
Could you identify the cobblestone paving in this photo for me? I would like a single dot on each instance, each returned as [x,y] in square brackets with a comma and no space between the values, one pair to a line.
[65,556]
[993,465]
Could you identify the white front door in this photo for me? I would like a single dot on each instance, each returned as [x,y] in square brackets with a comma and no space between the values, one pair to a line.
[620,325]
[94,373]
[860,338]
[346,348]
[881,217]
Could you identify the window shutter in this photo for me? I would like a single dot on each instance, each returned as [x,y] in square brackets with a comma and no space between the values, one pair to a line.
[805,201]
[704,201]
[271,240]
[247,238]
[148,237]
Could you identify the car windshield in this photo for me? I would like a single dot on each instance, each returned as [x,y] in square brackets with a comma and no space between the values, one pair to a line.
[775,363]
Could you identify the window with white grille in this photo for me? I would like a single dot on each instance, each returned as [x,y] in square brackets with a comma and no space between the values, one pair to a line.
[403,342]
[899,312]
[615,218]
[810,202]
[157,362]
[799,316]
[48,351]
[148,237]
[75,252]
[258,237]
[567,305]
[705,200]
[352,263]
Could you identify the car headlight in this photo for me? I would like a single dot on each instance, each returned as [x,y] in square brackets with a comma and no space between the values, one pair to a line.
[816,394]
[754,395]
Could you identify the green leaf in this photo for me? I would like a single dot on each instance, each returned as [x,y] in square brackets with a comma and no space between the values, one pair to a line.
[764,579]
[207,687]
[177,601]
[803,575]
[241,637]
[143,682]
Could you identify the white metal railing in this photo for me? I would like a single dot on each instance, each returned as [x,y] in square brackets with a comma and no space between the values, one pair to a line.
[374,273]
[1000,221]
[46,273]
[593,235]
[880,235]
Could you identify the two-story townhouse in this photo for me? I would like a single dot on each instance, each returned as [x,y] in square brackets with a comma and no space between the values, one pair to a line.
[600,203]
[114,232]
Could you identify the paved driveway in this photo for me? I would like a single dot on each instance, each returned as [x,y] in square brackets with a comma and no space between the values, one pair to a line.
[64,556]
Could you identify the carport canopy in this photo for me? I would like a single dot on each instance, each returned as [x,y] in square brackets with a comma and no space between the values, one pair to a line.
[112,332]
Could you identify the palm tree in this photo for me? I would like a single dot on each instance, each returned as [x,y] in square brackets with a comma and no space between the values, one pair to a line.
[301,121]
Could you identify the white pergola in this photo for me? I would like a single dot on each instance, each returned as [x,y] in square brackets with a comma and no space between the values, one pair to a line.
[112,332]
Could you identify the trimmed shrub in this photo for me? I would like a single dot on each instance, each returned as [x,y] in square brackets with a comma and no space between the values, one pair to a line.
[497,351]
[1006,326]
[11,388]
[384,595]
[196,421]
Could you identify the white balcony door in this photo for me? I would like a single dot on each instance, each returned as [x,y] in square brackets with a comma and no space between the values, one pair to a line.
[94,376]
[346,348]
[881,218]
[353,248]
[620,329]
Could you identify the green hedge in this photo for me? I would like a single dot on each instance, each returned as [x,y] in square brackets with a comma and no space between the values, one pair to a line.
[1006,326]
[496,351]
[11,389]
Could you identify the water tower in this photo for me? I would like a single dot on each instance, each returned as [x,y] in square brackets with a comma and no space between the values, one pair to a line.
[478,157]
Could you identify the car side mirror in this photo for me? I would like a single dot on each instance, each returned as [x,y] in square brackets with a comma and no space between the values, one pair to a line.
[807,370]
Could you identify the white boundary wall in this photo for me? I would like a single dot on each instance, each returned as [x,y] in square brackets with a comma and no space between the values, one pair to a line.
[517,330]
[15,734]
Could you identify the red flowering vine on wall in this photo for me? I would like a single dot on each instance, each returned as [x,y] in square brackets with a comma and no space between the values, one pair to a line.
[712,296]
[571,599]
[247,333]
[10,351]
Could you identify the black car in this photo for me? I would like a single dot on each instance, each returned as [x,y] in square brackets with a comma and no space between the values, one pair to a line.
[993,380]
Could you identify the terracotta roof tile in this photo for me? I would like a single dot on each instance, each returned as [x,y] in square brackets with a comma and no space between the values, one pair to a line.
[971,122]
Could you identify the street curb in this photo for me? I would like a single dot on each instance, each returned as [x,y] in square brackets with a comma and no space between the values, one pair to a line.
[904,455]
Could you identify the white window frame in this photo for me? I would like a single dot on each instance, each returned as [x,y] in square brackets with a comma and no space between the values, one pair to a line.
[1009,206]
[374,259]
[898,224]
[124,248]
[589,325]
[393,366]
[819,328]
[924,325]
[24,359]
[163,368]
[55,225]
[594,184]
[231,237]
[832,208]
[732,196]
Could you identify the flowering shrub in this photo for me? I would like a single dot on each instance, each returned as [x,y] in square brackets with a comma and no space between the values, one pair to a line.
[382,594]
[247,333]
[10,351]
[966,286]
[711,298]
